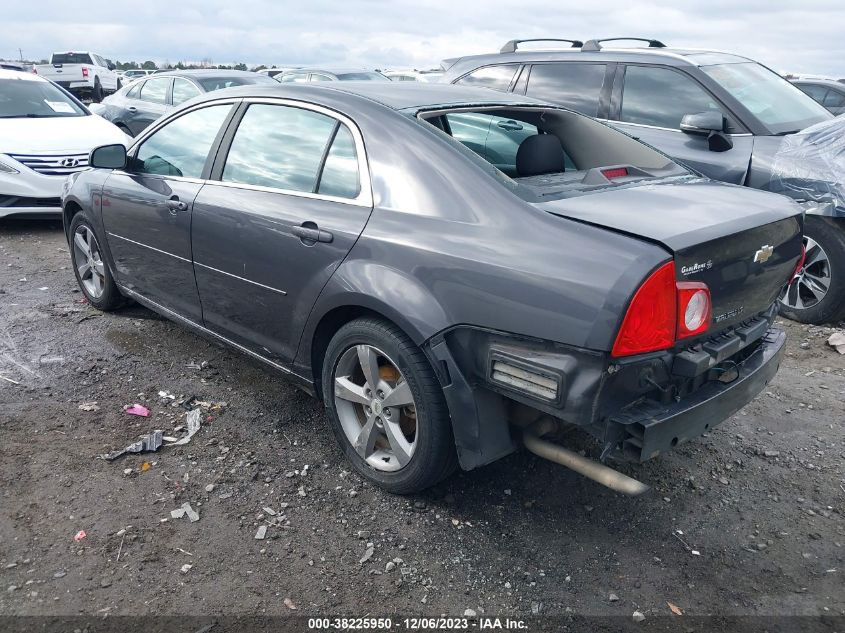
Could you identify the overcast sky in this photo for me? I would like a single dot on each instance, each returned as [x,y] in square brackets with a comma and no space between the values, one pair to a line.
[804,36]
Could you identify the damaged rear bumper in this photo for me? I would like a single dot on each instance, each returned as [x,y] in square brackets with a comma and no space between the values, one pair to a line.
[650,428]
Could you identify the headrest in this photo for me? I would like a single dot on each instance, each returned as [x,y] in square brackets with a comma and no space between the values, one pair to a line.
[540,154]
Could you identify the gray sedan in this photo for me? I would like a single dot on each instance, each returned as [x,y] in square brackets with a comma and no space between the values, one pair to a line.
[134,107]
[446,304]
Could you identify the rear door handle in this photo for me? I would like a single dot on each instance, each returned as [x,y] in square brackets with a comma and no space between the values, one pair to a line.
[174,204]
[510,126]
[309,233]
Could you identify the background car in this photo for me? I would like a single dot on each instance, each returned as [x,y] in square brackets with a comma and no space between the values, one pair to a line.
[346,238]
[275,70]
[86,75]
[45,135]
[136,73]
[137,105]
[722,115]
[413,75]
[305,75]
[830,93]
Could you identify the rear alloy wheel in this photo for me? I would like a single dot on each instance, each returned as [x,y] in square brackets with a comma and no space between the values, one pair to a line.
[387,407]
[817,294]
[92,272]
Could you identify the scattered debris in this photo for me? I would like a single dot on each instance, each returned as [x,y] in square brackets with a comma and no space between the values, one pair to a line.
[367,555]
[186,568]
[89,406]
[261,533]
[14,382]
[470,613]
[194,419]
[145,467]
[79,536]
[837,341]
[185,509]
[638,616]
[209,488]
[147,444]
[137,409]
[269,510]
[613,597]
[675,608]
[167,395]
[290,604]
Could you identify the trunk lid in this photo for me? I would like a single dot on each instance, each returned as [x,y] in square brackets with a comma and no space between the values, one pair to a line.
[743,243]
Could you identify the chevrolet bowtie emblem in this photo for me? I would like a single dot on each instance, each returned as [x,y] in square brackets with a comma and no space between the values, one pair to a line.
[762,256]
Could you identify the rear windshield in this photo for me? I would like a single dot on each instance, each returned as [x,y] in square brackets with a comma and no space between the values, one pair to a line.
[218,83]
[361,77]
[21,99]
[546,153]
[71,58]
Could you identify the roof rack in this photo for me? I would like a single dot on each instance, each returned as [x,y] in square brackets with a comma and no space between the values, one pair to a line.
[510,47]
[595,45]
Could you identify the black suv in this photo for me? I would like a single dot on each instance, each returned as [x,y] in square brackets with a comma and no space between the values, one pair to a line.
[725,116]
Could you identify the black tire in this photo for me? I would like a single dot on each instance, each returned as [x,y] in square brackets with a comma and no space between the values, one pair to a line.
[830,236]
[110,299]
[97,94]
[434,457]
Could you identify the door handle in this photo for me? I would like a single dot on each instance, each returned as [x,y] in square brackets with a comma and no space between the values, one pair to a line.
[174,204]
[510,126]
[309,234]
[132,109]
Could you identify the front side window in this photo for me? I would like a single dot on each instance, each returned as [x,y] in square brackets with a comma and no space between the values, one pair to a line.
[574,85]
[495,77]
[318,77]
[183,90]
[28,98]
[777,103]
[155,90]
[181,147]
[283,147]
[661,97]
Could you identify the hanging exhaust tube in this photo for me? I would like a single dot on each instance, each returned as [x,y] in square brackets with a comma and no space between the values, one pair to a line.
[606,476]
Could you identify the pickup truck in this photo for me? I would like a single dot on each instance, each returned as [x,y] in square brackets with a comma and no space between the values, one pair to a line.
[85,75]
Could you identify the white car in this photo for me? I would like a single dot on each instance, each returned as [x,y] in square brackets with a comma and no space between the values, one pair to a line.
[86,75]
[426,76]
[45,135]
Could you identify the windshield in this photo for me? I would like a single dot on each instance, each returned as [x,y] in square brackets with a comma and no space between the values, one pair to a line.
[778,104]
[24,98]
[71,58]
[365,76]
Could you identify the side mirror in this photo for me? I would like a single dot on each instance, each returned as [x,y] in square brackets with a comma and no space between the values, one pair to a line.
[711,124]
[108,157]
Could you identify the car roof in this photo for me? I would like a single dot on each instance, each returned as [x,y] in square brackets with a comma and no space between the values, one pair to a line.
[409,95]
[665,55]
[16,74]
[205,72]
[334,70]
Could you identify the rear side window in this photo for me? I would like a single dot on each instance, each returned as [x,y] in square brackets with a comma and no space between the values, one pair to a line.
[577,86]
[183,90]
[181,147]
[661,97]
[71,58]
[834,99]
[816,92]
[283,147]
[155,90]
[134,91]
[495,77]
[340,173]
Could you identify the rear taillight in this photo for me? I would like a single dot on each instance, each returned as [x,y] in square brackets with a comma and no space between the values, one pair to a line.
[616,172]
[84,71]
[649,323]
[694,308]
[662,311]
[800,265]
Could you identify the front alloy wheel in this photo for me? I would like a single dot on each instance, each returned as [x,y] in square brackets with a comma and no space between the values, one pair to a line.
[89,262]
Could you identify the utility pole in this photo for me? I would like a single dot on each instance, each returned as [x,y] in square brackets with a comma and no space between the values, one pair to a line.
[20,54]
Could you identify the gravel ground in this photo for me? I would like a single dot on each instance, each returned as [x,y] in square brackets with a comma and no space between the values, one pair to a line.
[747,520]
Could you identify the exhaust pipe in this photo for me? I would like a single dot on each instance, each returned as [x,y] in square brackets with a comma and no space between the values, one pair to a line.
[613,479]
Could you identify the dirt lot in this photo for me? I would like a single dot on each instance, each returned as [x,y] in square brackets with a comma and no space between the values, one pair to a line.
[748,520]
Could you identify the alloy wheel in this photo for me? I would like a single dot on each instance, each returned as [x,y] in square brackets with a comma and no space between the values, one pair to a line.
[812,282]
[89,261]
[375,407]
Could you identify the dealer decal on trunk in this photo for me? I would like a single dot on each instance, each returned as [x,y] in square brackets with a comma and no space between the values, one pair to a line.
[696,268]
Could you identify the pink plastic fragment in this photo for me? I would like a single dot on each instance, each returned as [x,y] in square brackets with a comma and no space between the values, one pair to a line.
[138,409]
[80,535]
